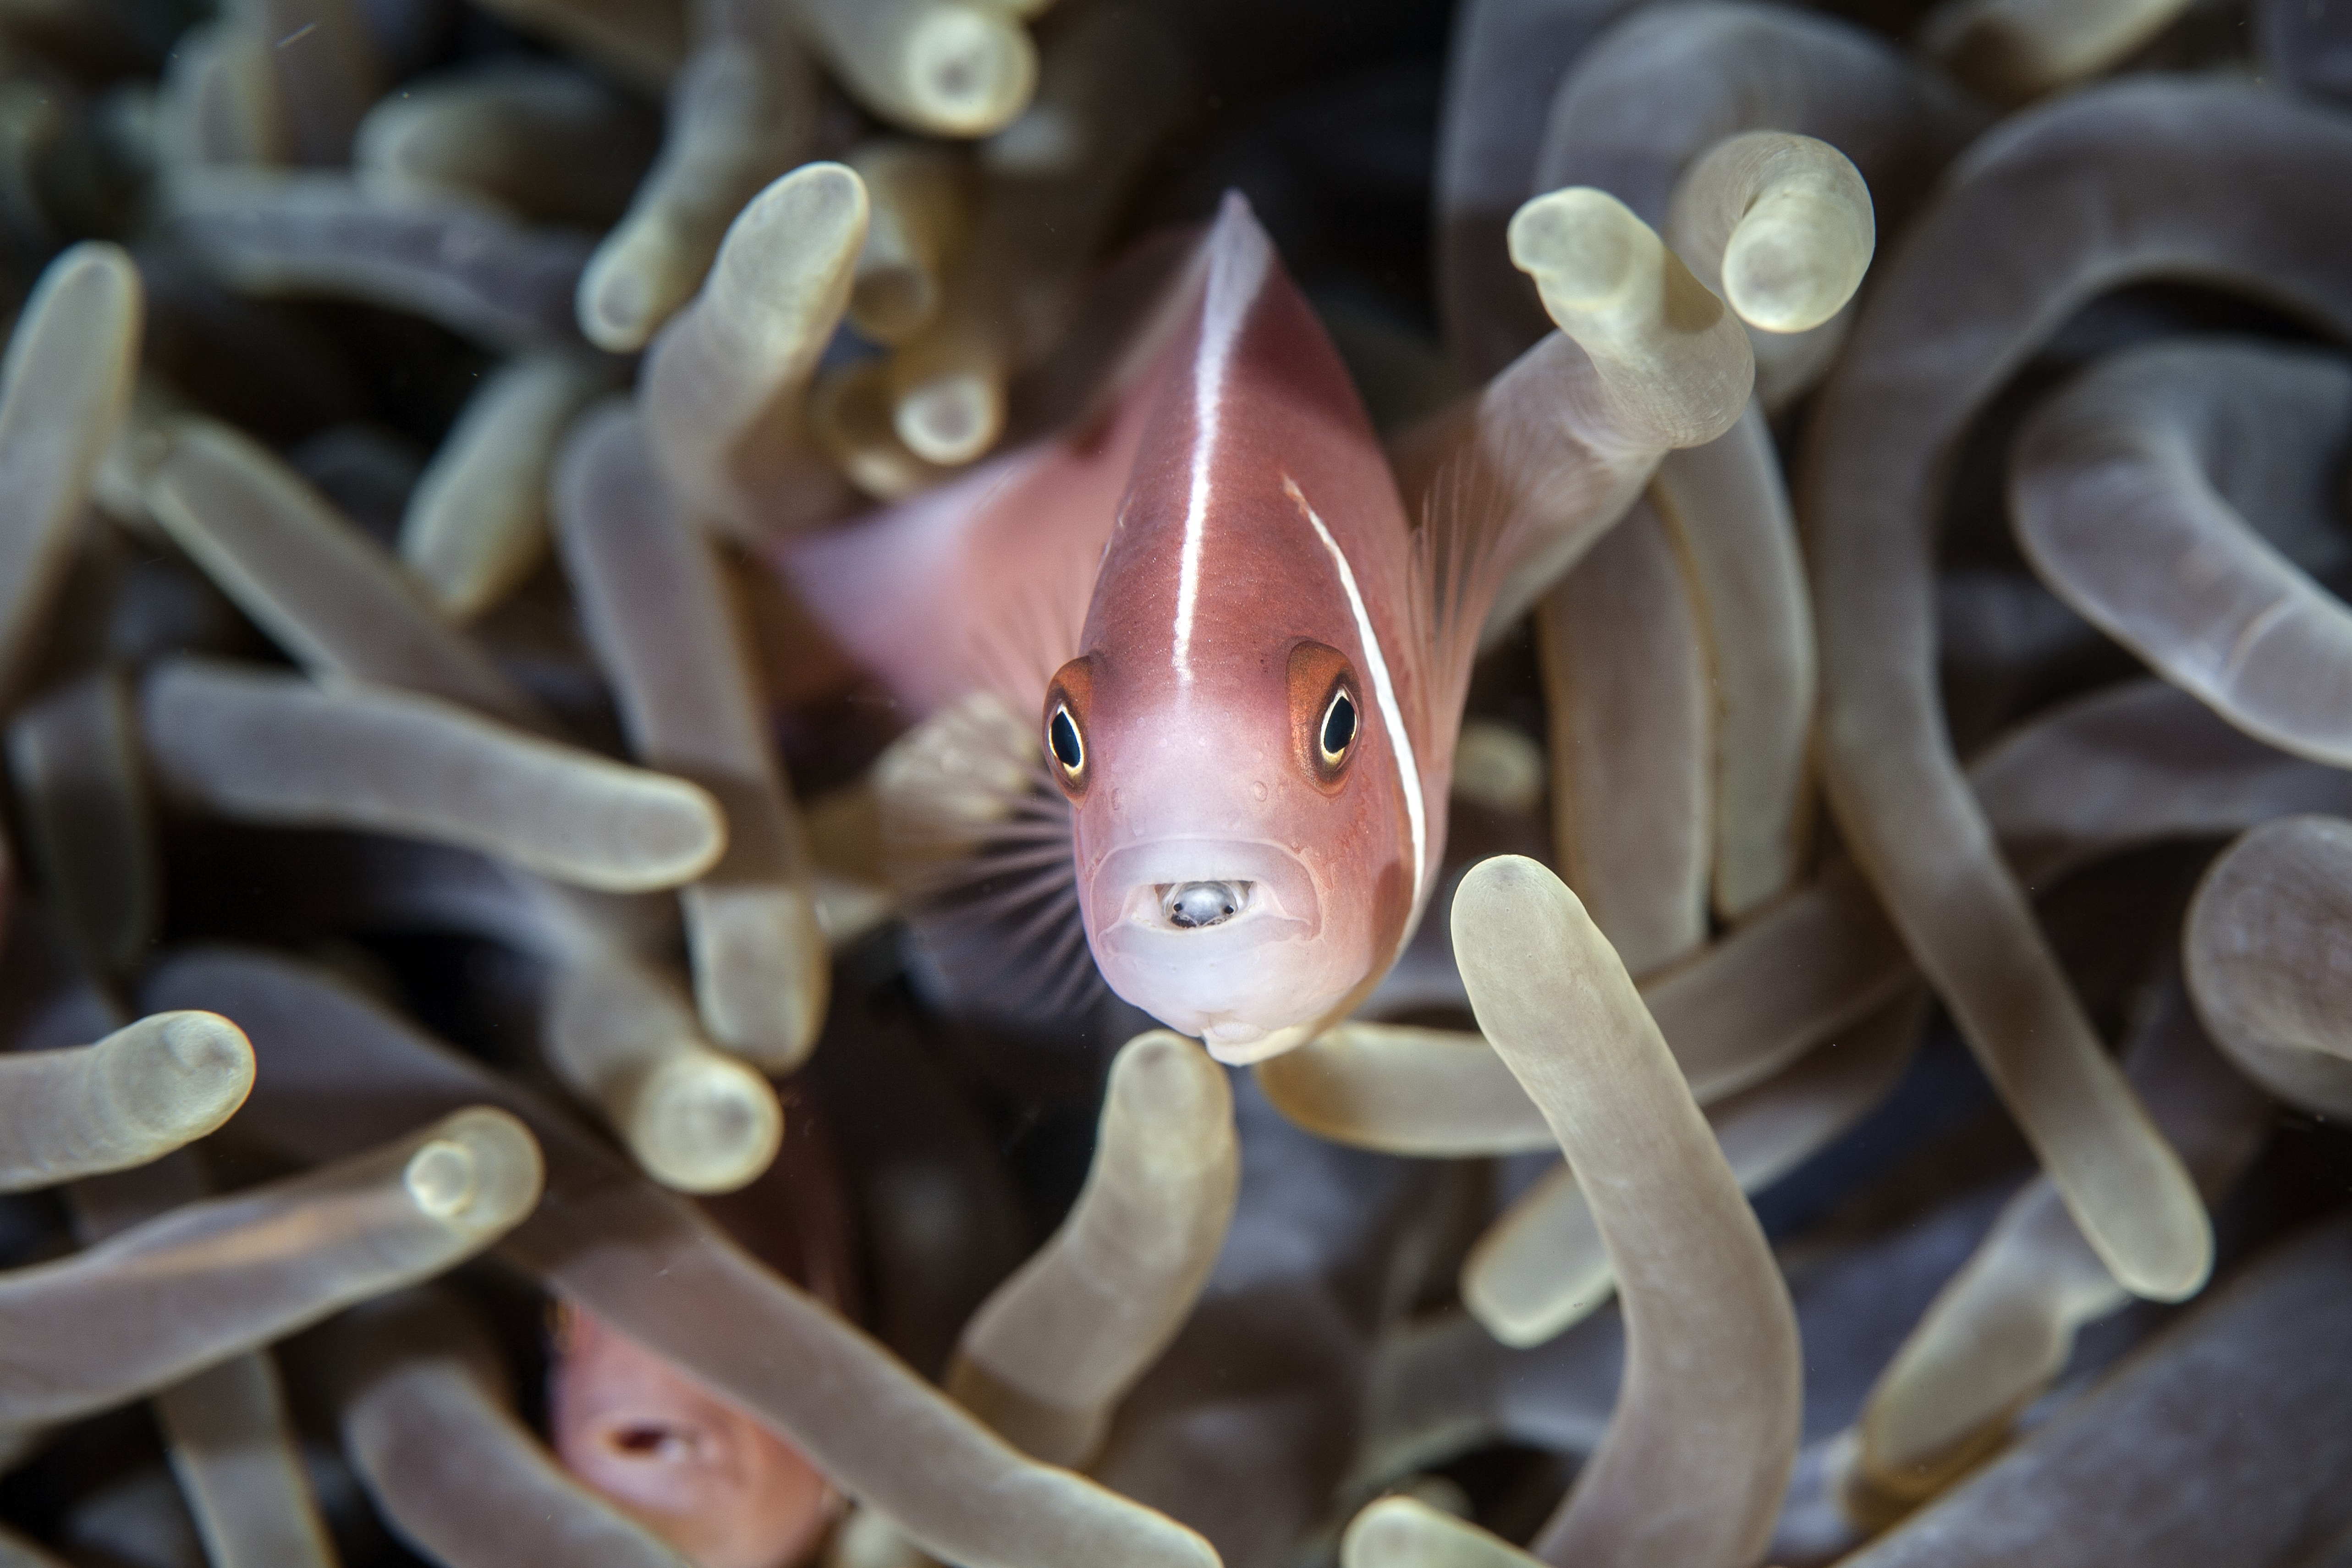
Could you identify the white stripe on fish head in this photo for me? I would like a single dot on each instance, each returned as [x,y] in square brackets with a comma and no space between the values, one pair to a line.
[1376,663]
[1237,273]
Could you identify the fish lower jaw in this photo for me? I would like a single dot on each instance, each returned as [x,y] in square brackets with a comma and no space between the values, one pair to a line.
[1238,1045]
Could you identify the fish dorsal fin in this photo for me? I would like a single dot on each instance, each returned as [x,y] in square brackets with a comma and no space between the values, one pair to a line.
[1533,493]
[1509,499]
[1474,517]
[976,842]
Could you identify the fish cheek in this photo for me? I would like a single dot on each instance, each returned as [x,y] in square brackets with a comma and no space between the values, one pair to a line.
[1391,907]
[1066,727]
[1326,706]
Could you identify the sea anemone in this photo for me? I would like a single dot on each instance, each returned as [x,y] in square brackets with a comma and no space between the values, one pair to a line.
[541,1022]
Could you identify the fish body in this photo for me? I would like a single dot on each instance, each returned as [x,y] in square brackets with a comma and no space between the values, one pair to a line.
[1253,723]
[982,582]
[1252,825]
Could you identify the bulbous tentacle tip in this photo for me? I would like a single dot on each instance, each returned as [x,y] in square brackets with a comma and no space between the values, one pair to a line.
[479,1170]
[1504,880]
[176,1076]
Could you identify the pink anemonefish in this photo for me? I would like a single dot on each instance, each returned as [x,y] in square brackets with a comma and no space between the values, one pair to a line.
[1251,731]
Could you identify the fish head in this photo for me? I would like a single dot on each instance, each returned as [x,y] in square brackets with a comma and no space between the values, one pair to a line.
[693,1467]
[1248,821]
[1242,846]
[676,1455]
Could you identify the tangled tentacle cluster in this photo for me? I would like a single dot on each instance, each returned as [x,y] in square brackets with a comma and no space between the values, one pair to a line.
[468,930]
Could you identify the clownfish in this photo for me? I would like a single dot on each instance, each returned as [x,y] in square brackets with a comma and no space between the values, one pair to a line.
[1236,663]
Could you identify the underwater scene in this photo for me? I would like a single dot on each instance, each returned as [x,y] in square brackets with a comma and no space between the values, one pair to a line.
[1147,784]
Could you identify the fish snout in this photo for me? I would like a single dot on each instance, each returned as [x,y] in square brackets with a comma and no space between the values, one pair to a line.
[1225,939]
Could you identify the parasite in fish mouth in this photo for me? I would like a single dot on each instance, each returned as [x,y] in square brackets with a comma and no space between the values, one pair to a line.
[1191,905]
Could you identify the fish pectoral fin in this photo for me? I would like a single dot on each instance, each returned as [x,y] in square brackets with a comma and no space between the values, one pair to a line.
[976,842]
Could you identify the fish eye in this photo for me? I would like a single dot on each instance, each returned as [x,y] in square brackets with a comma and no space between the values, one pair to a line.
[1326,713]
[1062,738]
[1066,701]
[1338,730]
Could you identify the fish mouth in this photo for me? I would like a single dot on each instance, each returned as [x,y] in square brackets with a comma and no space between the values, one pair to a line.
[1204,890]
[1193,906]
[1216,937]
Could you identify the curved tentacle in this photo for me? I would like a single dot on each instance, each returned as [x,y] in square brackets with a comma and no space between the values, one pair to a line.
[2147,180]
